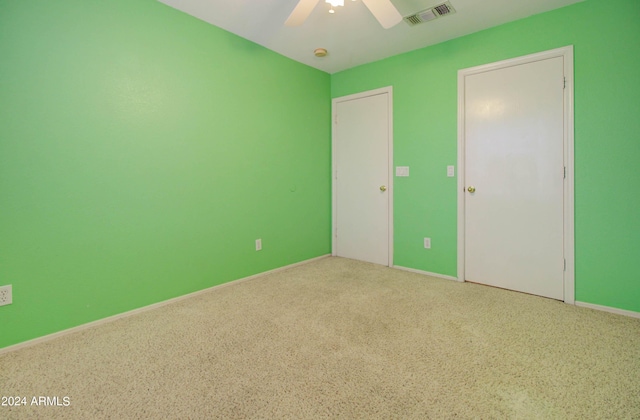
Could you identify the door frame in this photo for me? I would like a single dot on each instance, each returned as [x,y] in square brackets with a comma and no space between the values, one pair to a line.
[568,191]
[334,211]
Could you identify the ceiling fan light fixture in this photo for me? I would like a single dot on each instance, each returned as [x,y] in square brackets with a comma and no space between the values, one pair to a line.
[383,10]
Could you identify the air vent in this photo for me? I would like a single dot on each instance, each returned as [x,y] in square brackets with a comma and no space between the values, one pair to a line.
[443,9]
[430,14]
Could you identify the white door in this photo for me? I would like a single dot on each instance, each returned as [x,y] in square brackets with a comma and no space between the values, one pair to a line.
[514,177]
[361,148]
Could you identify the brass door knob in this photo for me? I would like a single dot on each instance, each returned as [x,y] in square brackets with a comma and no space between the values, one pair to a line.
[383,188]
[471,189]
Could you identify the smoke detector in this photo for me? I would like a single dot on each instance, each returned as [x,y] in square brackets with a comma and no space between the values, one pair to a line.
[430,14]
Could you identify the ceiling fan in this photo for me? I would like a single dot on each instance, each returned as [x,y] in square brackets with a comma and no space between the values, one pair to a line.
[383,10]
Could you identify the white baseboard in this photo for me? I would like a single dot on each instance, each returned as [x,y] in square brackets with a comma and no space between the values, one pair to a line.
[426,273]
[610,309]
[624,312]
[112,318]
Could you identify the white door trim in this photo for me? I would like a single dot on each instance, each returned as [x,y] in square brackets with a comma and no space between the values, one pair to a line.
[385,90]
[569,244]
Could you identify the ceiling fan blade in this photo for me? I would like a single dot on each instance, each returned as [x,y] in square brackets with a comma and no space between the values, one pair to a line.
[301,12]
[384,11]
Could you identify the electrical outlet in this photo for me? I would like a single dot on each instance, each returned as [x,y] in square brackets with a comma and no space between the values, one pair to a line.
[258,244]
[427,243]
[5,295]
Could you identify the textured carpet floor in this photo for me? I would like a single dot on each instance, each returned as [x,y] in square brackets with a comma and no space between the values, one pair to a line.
[339,338]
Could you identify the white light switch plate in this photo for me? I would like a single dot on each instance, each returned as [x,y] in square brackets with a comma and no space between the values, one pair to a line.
[402,171]
[451,171]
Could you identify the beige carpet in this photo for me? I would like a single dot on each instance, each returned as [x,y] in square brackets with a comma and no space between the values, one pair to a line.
[337,338]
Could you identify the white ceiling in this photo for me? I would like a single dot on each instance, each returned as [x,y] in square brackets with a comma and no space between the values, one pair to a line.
[352,35]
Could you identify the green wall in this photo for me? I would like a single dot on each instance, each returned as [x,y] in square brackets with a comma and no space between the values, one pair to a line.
[142,152]
[606,39]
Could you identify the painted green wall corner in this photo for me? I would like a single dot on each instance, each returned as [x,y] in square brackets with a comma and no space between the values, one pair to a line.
[607,139]
[142,152]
